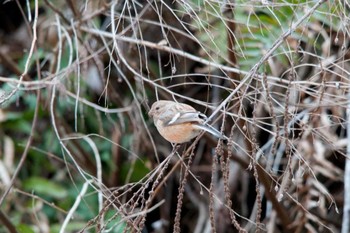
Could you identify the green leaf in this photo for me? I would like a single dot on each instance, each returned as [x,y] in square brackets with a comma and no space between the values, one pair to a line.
[115,221]
[45,187]
[71,227]
[139,170]
[24,228]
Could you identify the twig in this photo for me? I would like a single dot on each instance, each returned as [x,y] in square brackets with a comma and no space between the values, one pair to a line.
[54,9]
[346,208]
[7,223]
[275,46]
[32,47]
[11,65]
[35,118]
[75,206]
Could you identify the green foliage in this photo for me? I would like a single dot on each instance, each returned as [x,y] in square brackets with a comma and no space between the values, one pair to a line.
[259,26]
[138,168]
[42,186]
[73,226]
[115,222]
[39,54]
[24,228]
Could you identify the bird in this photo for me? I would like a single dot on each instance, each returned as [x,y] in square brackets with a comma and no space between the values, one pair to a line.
[179,123]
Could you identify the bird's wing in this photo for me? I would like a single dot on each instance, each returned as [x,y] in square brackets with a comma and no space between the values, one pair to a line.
[185,117]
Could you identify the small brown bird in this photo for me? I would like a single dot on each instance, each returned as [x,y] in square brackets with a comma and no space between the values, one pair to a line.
[179,123]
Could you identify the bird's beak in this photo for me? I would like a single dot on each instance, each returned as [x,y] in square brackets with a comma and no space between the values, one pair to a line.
[150,113]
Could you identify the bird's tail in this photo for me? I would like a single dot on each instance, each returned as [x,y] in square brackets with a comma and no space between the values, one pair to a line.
[210,129]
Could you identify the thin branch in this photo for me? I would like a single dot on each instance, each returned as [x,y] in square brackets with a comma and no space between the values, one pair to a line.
[30,55]
[346,208]
[7,223]
[35,117]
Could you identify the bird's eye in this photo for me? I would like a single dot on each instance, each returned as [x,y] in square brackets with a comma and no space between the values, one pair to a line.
[157,108]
